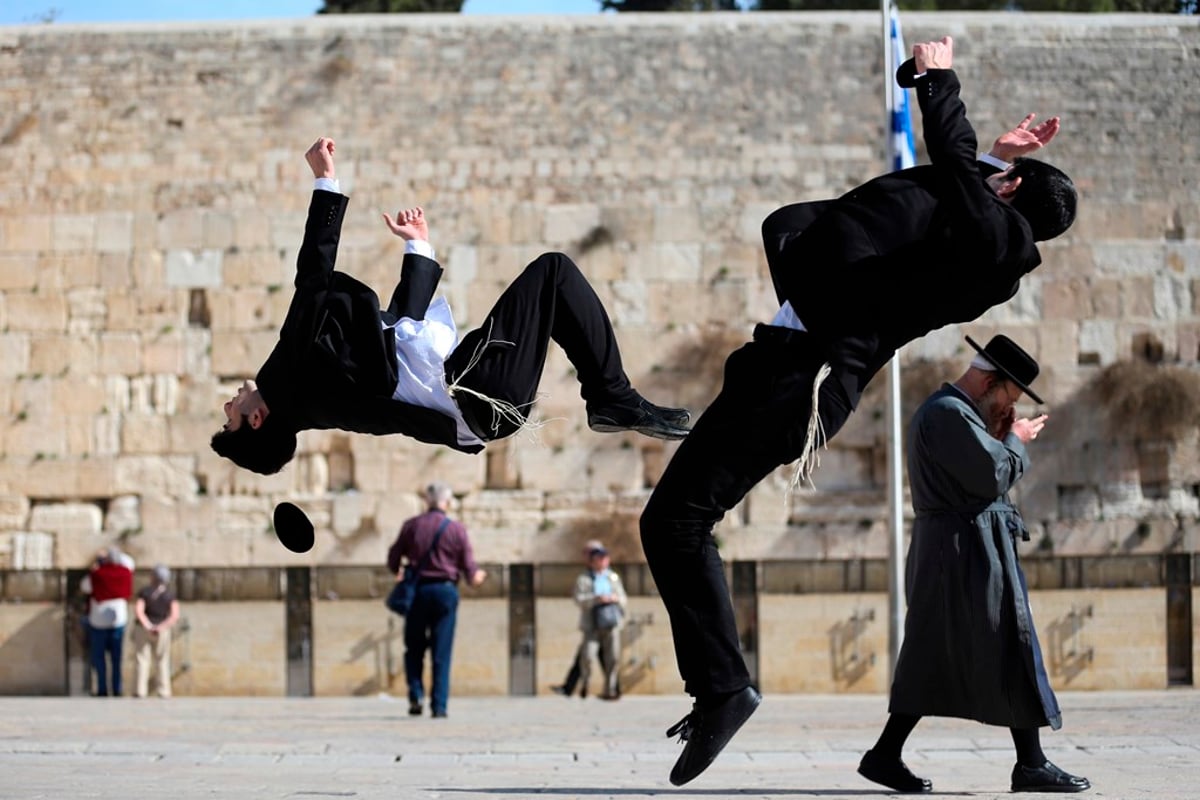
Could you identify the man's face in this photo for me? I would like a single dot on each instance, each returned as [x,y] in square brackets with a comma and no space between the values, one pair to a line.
[242,405]
[997,404]
[598,561]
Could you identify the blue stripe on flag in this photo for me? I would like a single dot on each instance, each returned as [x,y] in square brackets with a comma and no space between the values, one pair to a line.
[900,143]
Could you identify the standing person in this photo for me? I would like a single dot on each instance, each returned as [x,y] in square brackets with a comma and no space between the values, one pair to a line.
[857,277]
[343,363]
[157,611]
[970,648]
[110,584]
[430,621]
[601,598]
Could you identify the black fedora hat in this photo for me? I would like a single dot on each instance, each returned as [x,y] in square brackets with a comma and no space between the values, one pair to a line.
[294,528]
[1010,361]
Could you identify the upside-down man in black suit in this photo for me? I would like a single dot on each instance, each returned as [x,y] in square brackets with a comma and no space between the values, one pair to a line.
[856,277]
[343,363]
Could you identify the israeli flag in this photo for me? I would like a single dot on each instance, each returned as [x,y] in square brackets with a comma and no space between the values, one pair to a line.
[900,143]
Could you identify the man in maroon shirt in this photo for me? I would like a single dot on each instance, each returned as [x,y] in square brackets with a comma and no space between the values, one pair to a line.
[430,621]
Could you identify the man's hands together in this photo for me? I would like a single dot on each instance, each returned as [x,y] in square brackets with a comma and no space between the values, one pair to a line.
[408,224]
[320,158]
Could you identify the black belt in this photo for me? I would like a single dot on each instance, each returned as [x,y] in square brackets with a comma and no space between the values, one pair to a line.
[431,581]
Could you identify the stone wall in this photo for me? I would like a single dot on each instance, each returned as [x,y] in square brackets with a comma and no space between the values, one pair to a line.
[154,203]
[1096,639]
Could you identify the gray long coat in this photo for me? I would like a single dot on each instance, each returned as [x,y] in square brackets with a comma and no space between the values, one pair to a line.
[969,648]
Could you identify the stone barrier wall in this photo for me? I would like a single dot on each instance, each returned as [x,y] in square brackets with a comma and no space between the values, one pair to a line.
[155,196]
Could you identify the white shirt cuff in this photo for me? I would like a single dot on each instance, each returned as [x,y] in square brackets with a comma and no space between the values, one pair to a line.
[998,163]
[327,185]
[419,247]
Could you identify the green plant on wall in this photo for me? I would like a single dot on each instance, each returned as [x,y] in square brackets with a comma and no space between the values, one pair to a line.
[1148,402]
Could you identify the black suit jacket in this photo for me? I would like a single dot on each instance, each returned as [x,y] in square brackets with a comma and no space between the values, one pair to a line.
[335,364]
[905,253]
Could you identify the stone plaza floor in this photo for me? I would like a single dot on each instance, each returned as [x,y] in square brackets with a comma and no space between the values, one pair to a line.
[1130,744]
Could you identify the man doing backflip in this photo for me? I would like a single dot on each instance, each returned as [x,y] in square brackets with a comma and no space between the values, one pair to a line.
[856,277]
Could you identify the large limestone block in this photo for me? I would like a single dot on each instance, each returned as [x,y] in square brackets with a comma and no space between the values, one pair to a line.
[194,269]
[36,311]
[15,352]
[144,434]
[114,232]
[567,225]
[67,518]
[17,272]
[616,469]
[73,232]
[14,511]
[171,476]
[24,234]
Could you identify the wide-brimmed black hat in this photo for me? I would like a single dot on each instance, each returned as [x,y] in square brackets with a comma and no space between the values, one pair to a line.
[1010,361]
[293,528]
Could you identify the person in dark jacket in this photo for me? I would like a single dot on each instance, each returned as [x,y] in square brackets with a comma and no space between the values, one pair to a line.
[342,362]
[856,278]
[970,648]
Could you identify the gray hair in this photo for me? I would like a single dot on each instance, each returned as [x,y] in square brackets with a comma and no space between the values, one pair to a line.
[162,573]
[438,493]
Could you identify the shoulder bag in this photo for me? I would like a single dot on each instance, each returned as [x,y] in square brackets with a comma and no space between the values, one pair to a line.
[401,596]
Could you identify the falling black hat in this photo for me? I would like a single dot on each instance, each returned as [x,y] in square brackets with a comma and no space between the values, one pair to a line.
[1010,361]
[294,528]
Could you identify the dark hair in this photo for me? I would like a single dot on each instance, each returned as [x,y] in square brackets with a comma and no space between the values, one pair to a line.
[265,450]
[1046,197]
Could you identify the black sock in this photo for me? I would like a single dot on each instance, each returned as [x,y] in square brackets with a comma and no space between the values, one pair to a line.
[1029,747]
[895,734]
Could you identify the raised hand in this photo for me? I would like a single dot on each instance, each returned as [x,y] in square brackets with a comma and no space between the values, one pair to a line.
[1023,140]
[320,158]
[1028,429]
[934,55]
[408,224]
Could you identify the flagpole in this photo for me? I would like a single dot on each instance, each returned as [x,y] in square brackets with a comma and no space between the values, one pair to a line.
[895,463]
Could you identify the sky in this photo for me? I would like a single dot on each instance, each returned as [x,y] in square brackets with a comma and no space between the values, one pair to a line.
[22,12]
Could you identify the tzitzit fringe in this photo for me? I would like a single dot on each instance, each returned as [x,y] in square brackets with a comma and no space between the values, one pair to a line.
[810,457]
[502,410]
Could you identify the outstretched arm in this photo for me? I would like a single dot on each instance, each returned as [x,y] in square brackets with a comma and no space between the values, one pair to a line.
[981,232]
[318,251]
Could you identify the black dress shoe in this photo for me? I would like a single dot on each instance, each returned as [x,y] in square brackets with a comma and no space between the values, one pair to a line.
[675,416]
[414,708]
[1046,778]
[708,729]
[642,417]
[892,773]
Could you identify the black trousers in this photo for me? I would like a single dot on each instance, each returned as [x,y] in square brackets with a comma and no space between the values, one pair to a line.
[504,357]
[757,423]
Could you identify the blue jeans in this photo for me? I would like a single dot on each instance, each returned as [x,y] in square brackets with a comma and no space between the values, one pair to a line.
[430,625]
[106,645]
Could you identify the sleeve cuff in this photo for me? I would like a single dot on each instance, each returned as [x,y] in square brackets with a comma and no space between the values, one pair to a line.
[419,247]
[998,163]
[327,185]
